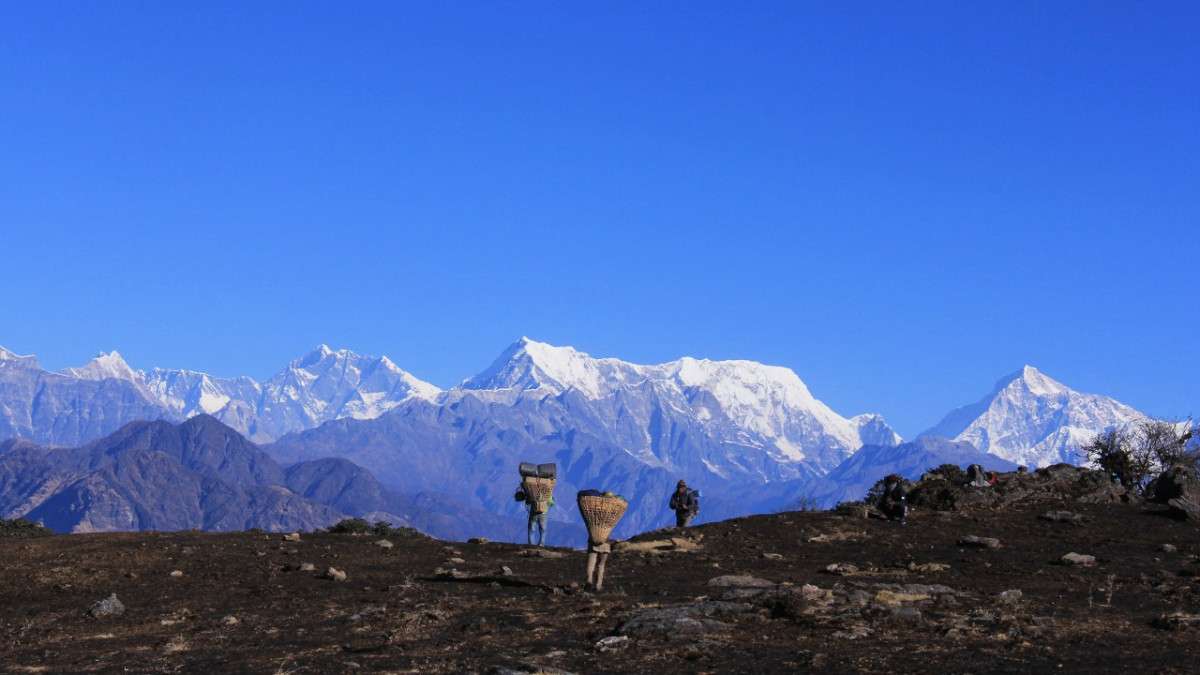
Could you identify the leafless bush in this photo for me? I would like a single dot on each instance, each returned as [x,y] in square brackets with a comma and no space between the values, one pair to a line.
[1135,455]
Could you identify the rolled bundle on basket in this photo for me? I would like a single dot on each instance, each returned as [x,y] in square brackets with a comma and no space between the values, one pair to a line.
[601,513]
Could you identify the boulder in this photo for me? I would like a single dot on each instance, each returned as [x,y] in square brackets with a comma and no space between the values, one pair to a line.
[384,544]
[335,574]
[108,607]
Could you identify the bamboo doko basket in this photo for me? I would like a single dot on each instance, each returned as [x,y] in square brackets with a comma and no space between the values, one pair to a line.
[601,514]
[538,490]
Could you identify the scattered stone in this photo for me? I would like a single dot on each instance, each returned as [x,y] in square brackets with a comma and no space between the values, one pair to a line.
[829,537]
[1010,597]
[613,643]
[905,614]
[1178,621]
[897,598]
[740,581]
[295,536]
[384,543]
[672,545]
[307,567]
[772,556]
[979,542]
[1062,517]
[1168,548]
[506,571]
[335,574]
[683,620]
[456,561]
[230,620]
[477,540]
[927,567]
[1078,560]
[842,569]
[110,606]
[176,574]
[542,553]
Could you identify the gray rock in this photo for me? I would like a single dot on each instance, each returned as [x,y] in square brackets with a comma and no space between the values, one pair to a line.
[307,567]
[384,543]
[683,620]
[905,614]
[110,606]
[740,581]
[613,643]
[1168,548]
[979,542]
[1078,560]
[335,574]
[1062,517]
[1010,597]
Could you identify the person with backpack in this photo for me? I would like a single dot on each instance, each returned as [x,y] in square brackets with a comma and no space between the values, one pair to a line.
[894,500]
[537,516]
[685,503]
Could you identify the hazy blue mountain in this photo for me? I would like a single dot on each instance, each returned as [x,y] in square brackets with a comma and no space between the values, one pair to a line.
[201,474]
[56,409]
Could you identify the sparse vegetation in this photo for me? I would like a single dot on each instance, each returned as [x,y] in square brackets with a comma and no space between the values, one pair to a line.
[1135,455]
[19,528]
[361,526]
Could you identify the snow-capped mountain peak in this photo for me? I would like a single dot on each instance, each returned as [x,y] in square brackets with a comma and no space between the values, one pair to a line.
[1031,418]
[739,403]
[105,366]
[531,365]
[24,361]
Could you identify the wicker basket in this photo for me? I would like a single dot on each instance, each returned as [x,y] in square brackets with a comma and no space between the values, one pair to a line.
[601,514]
[538,490]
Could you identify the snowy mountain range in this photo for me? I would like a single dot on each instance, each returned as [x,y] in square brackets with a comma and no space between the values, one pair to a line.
[751,436]
[321,386]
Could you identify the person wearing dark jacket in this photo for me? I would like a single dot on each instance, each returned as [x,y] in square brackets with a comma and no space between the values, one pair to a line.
[894,501]
[684,504]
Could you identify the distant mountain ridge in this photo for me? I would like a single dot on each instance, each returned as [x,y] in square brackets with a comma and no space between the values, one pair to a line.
[201,474]
[87,402]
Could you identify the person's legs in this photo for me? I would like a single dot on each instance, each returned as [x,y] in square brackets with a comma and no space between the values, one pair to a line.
[682,518]
[541,525]
[591,566]
[529,529]
[600,571]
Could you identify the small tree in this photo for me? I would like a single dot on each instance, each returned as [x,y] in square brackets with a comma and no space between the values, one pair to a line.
[1135,455]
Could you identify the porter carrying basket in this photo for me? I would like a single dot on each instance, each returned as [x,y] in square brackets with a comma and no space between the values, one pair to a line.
[538,491]
[601,513]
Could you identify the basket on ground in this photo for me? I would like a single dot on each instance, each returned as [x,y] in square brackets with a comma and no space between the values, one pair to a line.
[601,513]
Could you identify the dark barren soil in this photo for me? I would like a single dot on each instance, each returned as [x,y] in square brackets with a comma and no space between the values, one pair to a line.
[242,605]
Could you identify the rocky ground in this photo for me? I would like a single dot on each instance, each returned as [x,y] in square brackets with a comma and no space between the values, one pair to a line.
[982,590]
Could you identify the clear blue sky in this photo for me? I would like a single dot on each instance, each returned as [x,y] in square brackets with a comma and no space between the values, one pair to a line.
[901,201]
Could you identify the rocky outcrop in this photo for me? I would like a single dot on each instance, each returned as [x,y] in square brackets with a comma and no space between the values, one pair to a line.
[1061,482]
